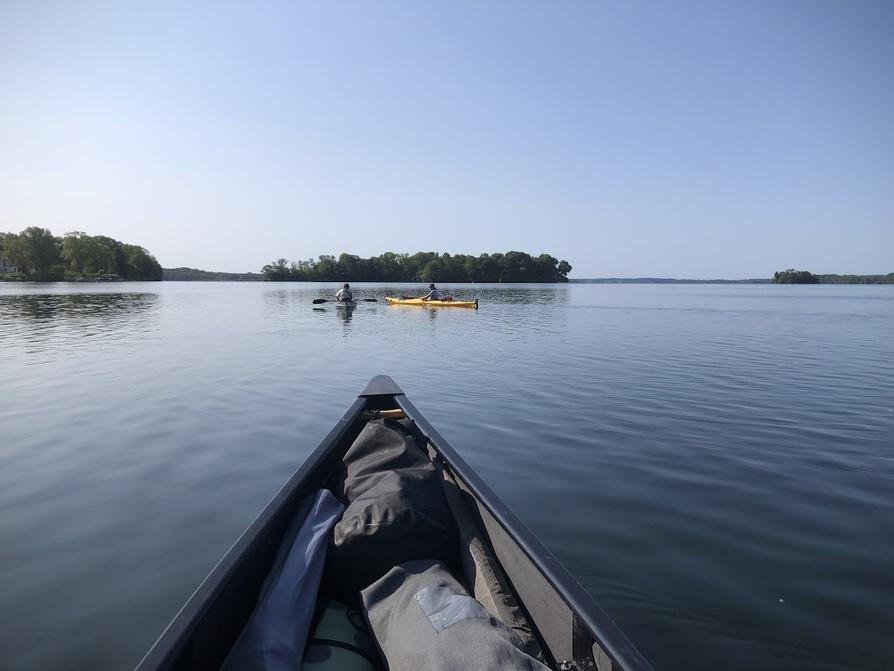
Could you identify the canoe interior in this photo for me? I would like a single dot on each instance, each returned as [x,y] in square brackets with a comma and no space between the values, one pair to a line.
[572,630]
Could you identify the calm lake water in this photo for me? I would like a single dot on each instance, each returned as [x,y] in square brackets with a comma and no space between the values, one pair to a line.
[714,463]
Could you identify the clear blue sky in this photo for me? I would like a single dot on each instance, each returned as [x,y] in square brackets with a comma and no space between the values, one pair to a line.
[690,139]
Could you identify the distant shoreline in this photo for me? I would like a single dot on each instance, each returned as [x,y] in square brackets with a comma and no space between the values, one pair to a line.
[786,277]
[663,280]
[196,275]
[184,274]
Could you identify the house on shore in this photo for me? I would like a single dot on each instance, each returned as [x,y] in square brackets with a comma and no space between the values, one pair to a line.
[6,267]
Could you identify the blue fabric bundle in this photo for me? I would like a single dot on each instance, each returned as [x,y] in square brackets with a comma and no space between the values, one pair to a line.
[276,633]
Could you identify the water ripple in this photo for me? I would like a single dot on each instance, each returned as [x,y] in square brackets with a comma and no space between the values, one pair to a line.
[713,463]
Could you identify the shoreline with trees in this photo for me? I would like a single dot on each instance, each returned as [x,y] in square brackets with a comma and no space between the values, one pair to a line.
[36,255]
[422,267]
[792,276]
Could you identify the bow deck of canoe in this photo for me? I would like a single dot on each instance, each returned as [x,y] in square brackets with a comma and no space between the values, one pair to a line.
[482,589]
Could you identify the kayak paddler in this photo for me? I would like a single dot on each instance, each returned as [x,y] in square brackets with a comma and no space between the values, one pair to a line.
[344,294]
[432,295]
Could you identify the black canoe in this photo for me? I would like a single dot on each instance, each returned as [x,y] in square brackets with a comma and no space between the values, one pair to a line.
[574,631]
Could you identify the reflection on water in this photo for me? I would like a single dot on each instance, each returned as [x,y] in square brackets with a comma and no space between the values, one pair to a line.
[105,307]
[283,296]
[284,293]
[345,312]
[342,312]
[500,294]
[712,462]
[524,294]
[45,323]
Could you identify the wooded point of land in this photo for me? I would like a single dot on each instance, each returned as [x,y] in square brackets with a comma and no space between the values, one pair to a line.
[422,267]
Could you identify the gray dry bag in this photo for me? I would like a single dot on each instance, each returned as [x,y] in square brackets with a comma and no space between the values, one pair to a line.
[422,618]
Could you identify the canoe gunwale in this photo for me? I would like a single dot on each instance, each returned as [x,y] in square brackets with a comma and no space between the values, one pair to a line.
[608,636]
[178,633]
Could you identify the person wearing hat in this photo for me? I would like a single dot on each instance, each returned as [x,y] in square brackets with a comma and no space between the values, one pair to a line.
[344,294]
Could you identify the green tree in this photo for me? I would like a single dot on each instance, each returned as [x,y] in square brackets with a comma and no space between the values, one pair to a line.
[38,253]
[792,276]
[10,249]
[84,254]
[563,268]
[277,271]
[138,263]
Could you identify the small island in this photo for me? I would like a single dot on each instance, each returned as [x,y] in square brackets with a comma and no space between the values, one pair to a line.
[792,276]
[422,267]
[37,255]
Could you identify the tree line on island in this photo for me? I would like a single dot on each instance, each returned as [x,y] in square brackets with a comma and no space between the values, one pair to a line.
[792,276]
[422,267]
[38,255]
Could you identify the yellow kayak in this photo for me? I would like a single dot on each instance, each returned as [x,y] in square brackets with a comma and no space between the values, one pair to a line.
[432,304]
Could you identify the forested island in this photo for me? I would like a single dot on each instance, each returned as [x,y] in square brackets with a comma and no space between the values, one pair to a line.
[792,276]
[422,267]
[37,255]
